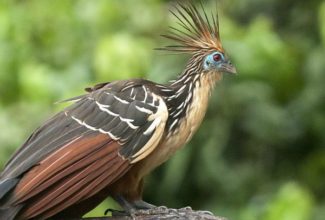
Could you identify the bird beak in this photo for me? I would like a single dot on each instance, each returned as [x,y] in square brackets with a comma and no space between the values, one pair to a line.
[227,67]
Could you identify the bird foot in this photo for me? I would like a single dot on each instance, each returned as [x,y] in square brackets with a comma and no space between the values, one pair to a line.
[115,212]
[140,204]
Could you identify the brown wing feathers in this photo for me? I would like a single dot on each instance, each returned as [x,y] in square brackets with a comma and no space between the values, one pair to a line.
[85,148]
[64,161]
[83,172]
[57,132]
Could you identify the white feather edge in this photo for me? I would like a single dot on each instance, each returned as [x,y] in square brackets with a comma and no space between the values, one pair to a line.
[159,122]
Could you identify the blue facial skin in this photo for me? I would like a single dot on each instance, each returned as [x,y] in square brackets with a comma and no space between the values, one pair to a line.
[218,62]
[211,64]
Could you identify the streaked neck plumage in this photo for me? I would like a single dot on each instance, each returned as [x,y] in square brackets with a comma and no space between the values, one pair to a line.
[193,81]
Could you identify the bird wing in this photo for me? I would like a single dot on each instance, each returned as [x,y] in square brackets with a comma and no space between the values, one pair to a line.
[86,147]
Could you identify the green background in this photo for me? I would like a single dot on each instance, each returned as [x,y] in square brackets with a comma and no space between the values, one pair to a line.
[260,153]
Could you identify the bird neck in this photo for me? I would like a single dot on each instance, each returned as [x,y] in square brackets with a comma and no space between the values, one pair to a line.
[190,91]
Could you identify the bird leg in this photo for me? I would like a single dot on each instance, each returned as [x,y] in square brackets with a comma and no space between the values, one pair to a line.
[140,204]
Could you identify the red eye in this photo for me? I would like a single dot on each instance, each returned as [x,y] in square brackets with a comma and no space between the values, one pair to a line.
[217,57]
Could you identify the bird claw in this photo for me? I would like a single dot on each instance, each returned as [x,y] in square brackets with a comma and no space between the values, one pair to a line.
[115,212]
[140,204]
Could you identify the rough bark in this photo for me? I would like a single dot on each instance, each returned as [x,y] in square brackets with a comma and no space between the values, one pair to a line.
[164,214]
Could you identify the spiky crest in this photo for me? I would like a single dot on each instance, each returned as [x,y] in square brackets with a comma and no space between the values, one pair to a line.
[198,31]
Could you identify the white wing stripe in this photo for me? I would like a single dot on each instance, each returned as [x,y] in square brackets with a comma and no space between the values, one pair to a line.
[126,120]
[95,129]
[145,94]
[145,110]
[121,100]
[159,121]
[152,127]
[100,105]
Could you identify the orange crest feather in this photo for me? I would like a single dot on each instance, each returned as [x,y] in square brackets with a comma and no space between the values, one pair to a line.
[200,32]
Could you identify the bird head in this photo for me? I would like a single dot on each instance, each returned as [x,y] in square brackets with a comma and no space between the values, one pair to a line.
[217,61]
[198,35]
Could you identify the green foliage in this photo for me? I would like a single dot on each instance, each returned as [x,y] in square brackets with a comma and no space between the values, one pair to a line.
[322,21]
[291,202]
[112,53]
[260,152]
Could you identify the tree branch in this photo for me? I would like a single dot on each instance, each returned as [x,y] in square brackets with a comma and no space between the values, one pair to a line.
[164,214]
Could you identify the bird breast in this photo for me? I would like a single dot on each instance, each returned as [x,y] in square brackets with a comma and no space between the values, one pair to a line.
[187,126]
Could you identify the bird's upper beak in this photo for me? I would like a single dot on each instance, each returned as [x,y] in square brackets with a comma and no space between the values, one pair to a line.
[227,67]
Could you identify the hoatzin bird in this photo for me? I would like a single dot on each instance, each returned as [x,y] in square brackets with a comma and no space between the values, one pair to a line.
[109,139]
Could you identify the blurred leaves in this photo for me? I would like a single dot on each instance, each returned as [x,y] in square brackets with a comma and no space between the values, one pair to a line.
[121,57]
[291,202]
[322,22]
[260,152]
